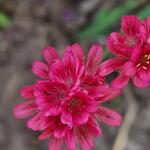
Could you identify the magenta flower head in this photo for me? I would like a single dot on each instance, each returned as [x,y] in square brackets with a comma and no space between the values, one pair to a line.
[132,50]
[66,104]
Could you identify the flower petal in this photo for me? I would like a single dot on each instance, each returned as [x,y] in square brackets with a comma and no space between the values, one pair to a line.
[85,138]
[27,92]
[76,51]
[110,66]
[130,25]
[129,68]
[81,118]
[50,54]
[24,109]
[94,57]
[46,133]
[60,131]
[70,140]
[144,75]
[139,82]
[108,116]
[55,144]
[66,118]
[93,127]
[115,44]
[36,123]
[40,69]
[121,81]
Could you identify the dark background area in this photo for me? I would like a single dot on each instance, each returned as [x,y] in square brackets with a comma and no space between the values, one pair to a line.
[26,26]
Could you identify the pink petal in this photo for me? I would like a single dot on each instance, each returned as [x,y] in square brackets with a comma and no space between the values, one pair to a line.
[147,22]
[108,116]
[110,94]
[93,127]
[110,66]
[121,81]
[130,25]
[49,105]
[66,118]
[40,69]
[129,68]
[35,123]
[46,133]
[115,44]
[94,57]
[60,131]
[85,139]
[50,54]
[55,144]
[81,118]
[27,92]
[144,75]
[76,51]
[139,82]
[70,140]
[25,109]
[136,54]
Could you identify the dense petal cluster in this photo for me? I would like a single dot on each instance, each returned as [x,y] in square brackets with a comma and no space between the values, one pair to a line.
[66,104]
[132,50]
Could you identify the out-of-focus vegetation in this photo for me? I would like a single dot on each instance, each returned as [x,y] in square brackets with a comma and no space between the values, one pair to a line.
[105,20]
[4,20]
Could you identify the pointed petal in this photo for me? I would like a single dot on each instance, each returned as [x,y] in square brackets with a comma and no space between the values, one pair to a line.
[24,109]
[130,24]
[108,116]
[27,92]
[40,69]
[60,131]
[50,54]
[36,124]
[55,144]
[46,133]
[121,81]
[110,94]
[94,127]
[70,140]
[110,66]
[76,51]
[94,57]
[85,138]
[115,44]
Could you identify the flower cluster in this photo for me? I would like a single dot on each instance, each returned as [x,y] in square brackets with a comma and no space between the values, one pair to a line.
[131,48]
[66,104]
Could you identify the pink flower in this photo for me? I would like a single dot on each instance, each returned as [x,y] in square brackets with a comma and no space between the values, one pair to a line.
[132,53]
[67,104]
[145,29]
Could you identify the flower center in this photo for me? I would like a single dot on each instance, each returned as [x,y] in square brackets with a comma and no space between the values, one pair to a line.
[130,42]
[145,61]
[74,104]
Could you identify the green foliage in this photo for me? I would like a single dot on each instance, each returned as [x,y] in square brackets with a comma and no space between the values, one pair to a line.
[104,19]
[145,12]
[4,20]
